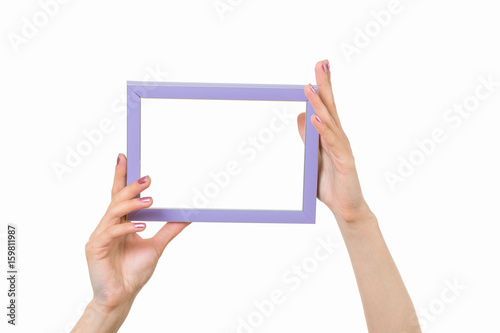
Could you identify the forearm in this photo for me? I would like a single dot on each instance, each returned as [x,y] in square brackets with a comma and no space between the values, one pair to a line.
[98,319]
[386,302]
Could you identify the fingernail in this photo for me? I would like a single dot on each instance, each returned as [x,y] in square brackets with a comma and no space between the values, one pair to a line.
[326,67]
[118,160]
[140,225]
[142,180]
[145,199]
[312,89]
[318,119]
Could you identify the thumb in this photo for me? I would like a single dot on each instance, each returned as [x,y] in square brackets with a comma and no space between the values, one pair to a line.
[301,121]
[166,234]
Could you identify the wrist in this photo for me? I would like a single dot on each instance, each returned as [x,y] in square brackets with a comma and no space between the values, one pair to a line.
[360,220]
[366,224]
[357,214]
[111,310]
[101,318]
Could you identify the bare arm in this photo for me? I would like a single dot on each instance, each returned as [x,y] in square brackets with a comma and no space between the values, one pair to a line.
[100,319]
[386,302]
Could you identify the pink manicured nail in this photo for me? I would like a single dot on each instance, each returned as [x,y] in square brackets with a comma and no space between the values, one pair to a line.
[118,160]
[145,199]
[140,225]
[318,119]
[142,180]
[312,89]
[327,65]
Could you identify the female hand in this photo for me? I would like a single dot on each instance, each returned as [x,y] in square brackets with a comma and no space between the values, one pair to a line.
[338,183]
[120,262]
[386,302]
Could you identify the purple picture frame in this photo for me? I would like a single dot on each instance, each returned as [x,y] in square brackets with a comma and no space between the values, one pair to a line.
[226,91]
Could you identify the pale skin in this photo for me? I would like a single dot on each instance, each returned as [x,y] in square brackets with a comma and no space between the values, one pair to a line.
[387,305]
[121,262]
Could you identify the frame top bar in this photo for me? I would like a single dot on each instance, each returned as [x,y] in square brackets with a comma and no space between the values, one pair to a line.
[218,85]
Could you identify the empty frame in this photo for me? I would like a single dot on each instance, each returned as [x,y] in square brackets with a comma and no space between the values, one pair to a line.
[222,152]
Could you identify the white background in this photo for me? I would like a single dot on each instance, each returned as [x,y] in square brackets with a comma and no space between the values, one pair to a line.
[222,154]
[441,223]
